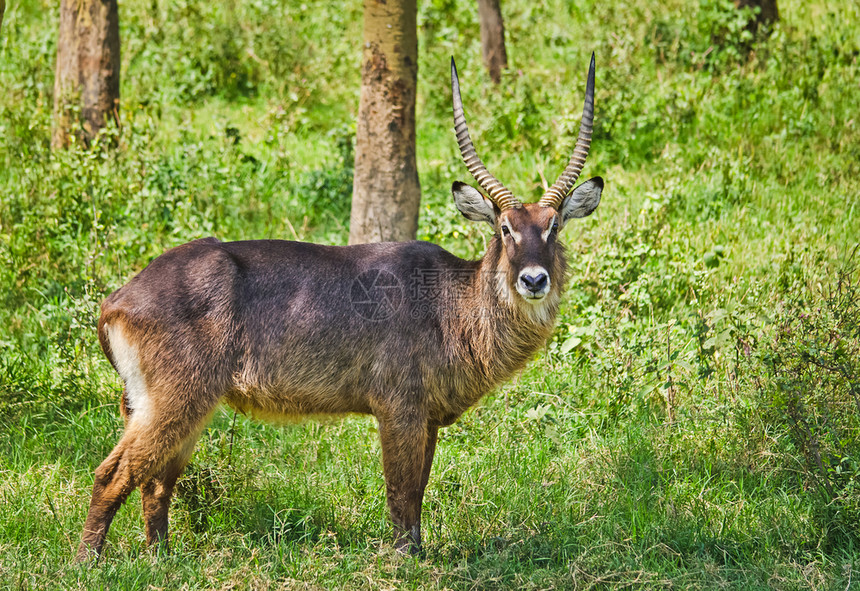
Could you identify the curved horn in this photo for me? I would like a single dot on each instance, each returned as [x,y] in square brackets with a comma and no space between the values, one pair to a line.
[495,190]
[556,194]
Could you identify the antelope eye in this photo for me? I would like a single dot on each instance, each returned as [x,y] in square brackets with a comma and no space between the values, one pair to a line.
[555,226]
[505,230]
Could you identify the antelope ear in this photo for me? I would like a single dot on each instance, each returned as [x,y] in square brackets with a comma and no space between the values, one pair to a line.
[583,200]
[473,205]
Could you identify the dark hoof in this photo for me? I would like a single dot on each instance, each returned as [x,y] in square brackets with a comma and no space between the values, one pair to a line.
[409,544]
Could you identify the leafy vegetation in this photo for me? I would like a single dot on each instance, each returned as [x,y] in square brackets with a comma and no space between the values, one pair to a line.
[695,420]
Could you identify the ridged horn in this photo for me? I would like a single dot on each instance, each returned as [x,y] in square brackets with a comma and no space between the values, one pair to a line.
[556,194]
[495,190]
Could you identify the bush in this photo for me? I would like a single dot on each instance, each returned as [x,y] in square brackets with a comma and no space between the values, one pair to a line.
[326,193]
[812,392]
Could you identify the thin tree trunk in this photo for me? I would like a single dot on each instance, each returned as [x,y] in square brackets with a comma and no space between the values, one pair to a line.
[386,193]
[767,15]
[86,83]
[493,38]
[2,10]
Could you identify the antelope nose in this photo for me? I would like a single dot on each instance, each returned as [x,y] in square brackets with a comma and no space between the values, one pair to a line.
[534,283]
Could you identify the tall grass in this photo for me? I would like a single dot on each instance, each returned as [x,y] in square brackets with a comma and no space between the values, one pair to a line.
[693,423]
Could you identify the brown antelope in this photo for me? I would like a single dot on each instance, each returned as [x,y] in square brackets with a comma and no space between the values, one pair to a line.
[406,332]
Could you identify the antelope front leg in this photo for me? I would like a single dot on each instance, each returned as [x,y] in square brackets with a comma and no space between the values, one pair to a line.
[429,451]
[405,440]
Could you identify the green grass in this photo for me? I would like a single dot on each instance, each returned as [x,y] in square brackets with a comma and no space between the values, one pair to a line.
[694,422]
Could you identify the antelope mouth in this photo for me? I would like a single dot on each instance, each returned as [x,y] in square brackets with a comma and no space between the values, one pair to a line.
[532,298]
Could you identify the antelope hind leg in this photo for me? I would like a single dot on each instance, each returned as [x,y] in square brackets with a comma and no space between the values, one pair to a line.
[151,453]
[115,478]
[157,493]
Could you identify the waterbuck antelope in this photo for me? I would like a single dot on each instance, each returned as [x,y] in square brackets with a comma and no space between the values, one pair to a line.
[406,332]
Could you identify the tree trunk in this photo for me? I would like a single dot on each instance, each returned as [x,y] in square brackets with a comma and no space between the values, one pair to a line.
[86,83]
[767,14]
[386,193]
[2,10]
[492,38]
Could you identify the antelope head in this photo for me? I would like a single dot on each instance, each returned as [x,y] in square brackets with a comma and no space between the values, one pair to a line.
[532,257]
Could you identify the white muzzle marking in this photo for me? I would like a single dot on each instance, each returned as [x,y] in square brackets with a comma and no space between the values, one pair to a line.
[533,283]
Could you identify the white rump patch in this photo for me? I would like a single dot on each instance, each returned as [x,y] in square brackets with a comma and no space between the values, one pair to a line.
[127,362]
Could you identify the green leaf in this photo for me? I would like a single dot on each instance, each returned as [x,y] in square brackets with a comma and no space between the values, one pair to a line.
[711,259]
[570,344]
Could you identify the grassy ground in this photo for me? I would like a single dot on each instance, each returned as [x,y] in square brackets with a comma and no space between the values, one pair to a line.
[695,421]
